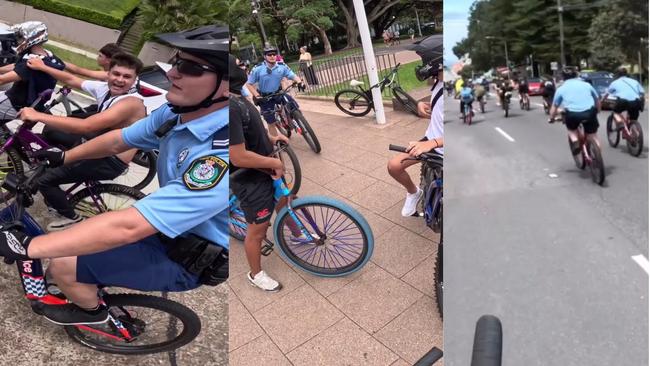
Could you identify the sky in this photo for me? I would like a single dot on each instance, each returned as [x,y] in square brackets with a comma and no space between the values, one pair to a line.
[455,22]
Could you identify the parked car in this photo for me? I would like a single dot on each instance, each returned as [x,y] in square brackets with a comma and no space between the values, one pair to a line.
[600,80]
[154,85]
[535,86]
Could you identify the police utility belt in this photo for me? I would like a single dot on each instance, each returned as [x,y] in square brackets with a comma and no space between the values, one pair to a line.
[200,257]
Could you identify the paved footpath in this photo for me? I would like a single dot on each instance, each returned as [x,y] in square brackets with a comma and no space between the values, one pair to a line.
[382,315]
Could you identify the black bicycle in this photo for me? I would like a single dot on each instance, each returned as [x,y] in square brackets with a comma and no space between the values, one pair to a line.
[358,103]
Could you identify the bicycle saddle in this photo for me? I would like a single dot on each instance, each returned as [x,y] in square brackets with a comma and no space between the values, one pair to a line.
[356,82]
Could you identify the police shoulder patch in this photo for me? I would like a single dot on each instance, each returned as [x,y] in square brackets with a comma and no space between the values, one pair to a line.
[205,172]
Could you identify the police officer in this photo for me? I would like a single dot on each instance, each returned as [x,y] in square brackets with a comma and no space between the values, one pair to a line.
[121,248]
[581,103]
[629,96]
[268,75]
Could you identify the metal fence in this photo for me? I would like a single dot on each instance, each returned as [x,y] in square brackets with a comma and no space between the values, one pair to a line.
[327,77]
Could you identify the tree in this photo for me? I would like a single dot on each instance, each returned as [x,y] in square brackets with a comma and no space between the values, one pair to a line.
[163,16]
[311,14]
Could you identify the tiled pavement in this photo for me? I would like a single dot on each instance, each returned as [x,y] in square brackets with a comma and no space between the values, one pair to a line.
[382,315]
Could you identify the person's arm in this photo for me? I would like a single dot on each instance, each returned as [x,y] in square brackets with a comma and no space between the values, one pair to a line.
[108,144]
[6,68]
[242,158]
[91,74]
[96,234]
[117,114]
[9,77]
[62,76]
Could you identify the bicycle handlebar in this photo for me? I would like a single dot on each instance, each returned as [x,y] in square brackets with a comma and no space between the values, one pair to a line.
[23,189]
[280,92]
[279,147]
[432,156]
[488,342]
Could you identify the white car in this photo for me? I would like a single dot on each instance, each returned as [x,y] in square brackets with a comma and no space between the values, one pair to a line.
[154,85]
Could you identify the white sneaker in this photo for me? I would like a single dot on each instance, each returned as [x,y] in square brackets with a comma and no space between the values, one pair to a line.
[64,223]
[264,282]
[411,203]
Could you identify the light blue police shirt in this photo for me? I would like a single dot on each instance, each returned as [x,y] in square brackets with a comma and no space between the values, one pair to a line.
[245,92]
[192,172]
[576,95]
[269,83]
[625,88]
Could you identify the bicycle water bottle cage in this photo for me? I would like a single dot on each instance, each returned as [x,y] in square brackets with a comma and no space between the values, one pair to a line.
[354,82]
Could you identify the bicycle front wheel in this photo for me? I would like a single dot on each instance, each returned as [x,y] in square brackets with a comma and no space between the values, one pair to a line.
[353,102]
[406,100]
[237,225]
[94,200]
[140,172]
[343,241]
[635,141]
[292,171]
[307,131]
[438,280]
[154,324]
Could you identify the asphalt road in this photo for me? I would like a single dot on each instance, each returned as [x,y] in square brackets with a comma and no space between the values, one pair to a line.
[532,240]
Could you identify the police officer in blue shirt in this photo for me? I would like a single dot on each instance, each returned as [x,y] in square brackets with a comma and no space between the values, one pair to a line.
[629,96]
[581,103]
[123,248]
[268,75]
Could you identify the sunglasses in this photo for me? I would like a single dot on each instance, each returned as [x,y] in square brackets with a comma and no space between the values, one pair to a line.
[271,54]
[189,67]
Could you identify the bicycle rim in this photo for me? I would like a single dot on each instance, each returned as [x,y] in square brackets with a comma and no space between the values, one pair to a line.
[156,325]
[635,142]
[140,172]
[613,134]
[597,167]
[237,224]
[92,201]
[346,239]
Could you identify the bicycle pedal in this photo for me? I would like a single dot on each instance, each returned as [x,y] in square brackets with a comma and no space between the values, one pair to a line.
[266,249]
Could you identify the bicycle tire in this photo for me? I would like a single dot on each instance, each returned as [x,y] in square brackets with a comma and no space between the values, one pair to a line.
[522,104]
[579,160]
[429,358]
[84,203]
[438,280]
[597,166]
[488,342]
[406,100]
[307,132]
[636,148]
[482,103]
[283,126]
[14,164]
[354,96]
[505,111]
[613,134]
[527,104]
[188,318]
[142,165]
[236,221]
[294,173]
[300,207]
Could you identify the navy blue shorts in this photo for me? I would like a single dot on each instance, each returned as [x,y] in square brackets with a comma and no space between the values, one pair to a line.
[143,265]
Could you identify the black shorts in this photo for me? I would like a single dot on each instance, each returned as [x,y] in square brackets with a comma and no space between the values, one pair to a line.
[523,89]
[633,107]
[255,199]
[588,119]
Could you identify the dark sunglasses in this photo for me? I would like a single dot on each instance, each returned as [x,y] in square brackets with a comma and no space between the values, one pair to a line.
[189,67]
[271,54]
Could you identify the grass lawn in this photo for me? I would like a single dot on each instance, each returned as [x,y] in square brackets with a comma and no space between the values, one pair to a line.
[405,76]
[75,58]
[116,8]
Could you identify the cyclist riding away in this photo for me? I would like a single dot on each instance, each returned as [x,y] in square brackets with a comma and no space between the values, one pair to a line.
[433,139]
[268,75]
[28,84]
[251,147]
[479,92]
[122,248]
[117,109]
[522,87]
[629,96]
[466,98]
[548,92]
[502,88]
[581,105]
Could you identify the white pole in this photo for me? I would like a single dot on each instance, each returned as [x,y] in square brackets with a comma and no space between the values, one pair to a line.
[417,19]
[369,56]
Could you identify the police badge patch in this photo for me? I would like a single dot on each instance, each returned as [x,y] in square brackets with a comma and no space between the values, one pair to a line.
[205,173]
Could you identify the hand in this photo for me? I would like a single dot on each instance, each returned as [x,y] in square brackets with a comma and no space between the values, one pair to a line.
[29,114]
[36,63]
[418,147]
[278,171]
[14,244]
[279,137]
[53,156]
[256,99]
[424,110]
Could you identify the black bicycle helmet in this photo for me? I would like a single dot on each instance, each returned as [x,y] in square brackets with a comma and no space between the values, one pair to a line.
[430,51]
[211,43]
[621,71]
[270,49]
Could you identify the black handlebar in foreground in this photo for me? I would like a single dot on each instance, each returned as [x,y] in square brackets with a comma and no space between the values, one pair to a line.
[488,342]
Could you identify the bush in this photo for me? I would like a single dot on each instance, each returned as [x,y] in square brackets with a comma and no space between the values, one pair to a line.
[104,13]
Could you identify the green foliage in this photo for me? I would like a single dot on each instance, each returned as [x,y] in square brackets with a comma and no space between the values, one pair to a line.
[107,13]
[163,16]
[73,57]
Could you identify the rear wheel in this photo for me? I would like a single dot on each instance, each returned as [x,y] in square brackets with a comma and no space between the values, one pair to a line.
[292,171]
[353,102]
[635,141]
[578,159]
[307,132]
[613,134]
[97,199]
[406,100]
[597,166]
[10,162]
[140,172]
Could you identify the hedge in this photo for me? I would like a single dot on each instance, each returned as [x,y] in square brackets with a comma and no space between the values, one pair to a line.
[106,13]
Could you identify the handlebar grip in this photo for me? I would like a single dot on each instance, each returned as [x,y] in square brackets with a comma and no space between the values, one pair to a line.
[397,148]
[430,358]
[488,340]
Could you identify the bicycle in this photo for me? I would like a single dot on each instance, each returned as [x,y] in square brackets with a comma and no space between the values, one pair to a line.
[631,131]
[317,234]
[506,103]
[546,103]
[93,199]
[348,100]
[142,165]
[481,101]
[524,102]
[487,348]
[467,114]
[590,154]
[130,330]
[431,205]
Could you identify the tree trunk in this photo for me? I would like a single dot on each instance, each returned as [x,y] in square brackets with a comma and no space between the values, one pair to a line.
[323,36]
[351,28]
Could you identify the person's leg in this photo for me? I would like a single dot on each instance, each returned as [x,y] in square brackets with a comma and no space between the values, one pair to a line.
[397,170]
[7,111]
[63,272]
[267,110]
[255,234]
[591,127]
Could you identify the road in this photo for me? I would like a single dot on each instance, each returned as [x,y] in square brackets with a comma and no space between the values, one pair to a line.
[533,240]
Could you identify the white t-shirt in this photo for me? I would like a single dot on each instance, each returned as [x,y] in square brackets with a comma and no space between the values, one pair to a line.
[99,90]
[436,124]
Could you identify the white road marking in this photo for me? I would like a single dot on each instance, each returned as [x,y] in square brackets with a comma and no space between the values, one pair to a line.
[504,134]
[643,262]
[539,104]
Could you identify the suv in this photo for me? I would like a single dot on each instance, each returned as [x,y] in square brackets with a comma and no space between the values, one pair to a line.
[600,80]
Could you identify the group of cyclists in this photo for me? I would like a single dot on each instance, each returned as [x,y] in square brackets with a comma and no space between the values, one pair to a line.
[175,239]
